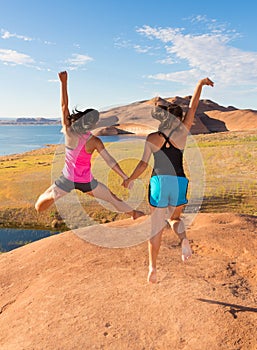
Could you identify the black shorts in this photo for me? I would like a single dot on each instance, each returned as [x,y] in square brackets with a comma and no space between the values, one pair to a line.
[67,185]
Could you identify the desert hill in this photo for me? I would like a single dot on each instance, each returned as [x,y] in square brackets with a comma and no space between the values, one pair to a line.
[136,118]
[210,117]
[62,293]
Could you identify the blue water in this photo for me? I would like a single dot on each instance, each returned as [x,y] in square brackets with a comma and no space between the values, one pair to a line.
[14,238]
[22,138]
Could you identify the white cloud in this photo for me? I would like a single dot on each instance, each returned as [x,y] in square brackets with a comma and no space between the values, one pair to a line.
[48,42]
[163,34]
[209,54]
[7,35]
[167,60]
[142,49]
[15,58]
[78,61]
[121,43]
[127,44]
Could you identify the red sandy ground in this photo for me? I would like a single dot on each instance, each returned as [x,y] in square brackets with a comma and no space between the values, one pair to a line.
[64,293]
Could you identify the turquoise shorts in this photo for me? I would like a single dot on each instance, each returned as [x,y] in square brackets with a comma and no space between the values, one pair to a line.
[167,190]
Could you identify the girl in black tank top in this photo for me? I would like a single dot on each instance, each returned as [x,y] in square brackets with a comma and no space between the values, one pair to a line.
[168,188]
[169,159]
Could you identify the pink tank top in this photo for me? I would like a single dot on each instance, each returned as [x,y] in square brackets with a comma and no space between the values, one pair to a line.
[77,166]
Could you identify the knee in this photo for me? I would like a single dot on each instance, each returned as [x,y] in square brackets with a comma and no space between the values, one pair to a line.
[177,225]
[38,206]
[43,205]
[115,198]
[45,200]
[155,240]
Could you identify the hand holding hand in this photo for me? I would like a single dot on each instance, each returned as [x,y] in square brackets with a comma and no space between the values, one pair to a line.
[127,183]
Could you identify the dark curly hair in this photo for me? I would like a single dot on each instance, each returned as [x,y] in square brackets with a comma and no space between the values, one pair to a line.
[83,121]
[167,114]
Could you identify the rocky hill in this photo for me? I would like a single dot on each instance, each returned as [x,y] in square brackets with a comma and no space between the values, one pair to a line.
[136,118]
[210,117]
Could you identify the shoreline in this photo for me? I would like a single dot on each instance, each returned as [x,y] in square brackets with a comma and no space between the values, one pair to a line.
[23,176]
[29,219]
[99,134]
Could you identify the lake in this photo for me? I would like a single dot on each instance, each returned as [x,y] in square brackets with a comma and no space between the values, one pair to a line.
[14,238]
[23,138]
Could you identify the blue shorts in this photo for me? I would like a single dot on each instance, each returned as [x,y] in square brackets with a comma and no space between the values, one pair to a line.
[167,190]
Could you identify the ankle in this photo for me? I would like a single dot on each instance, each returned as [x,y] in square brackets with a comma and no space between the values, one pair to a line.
[137,214]
[182,237]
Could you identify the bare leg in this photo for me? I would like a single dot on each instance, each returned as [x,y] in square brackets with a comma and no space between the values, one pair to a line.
[103,192]
[158,224]
[177,225]
[46,199]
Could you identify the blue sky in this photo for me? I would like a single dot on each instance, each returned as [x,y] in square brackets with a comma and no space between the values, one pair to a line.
[119,52]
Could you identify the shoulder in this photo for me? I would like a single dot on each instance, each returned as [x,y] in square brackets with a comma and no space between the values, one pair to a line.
[94,139]
[179,137]
[69,133]
[153,141]
[67,130]
[152,136]
[95,142]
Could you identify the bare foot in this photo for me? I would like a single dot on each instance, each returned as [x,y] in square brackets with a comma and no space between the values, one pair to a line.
[186,249]
[137,214]
[152,278]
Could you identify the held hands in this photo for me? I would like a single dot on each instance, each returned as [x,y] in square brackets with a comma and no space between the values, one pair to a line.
[127,183]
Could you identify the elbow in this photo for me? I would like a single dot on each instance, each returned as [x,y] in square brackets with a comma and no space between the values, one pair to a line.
[111,163]
[143,164]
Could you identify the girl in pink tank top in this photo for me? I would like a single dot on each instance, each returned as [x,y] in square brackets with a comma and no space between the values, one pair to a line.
[77,166]
[80,145]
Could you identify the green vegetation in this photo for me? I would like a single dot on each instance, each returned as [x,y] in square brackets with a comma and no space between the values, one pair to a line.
[230,166]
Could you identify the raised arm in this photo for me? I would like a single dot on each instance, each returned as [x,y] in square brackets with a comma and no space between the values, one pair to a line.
[189,118]
[63,76]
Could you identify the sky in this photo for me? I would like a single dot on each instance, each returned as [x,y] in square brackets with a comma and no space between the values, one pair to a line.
[119,52]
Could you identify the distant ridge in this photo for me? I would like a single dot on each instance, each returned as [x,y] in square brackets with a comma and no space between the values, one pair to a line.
[210,117]
[37,120]
[30,121]
[136,118]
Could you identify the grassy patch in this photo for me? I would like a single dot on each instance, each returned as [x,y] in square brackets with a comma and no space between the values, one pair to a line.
[230,167]
[230,163]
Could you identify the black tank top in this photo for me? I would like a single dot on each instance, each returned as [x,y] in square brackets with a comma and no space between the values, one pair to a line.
[169,159]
